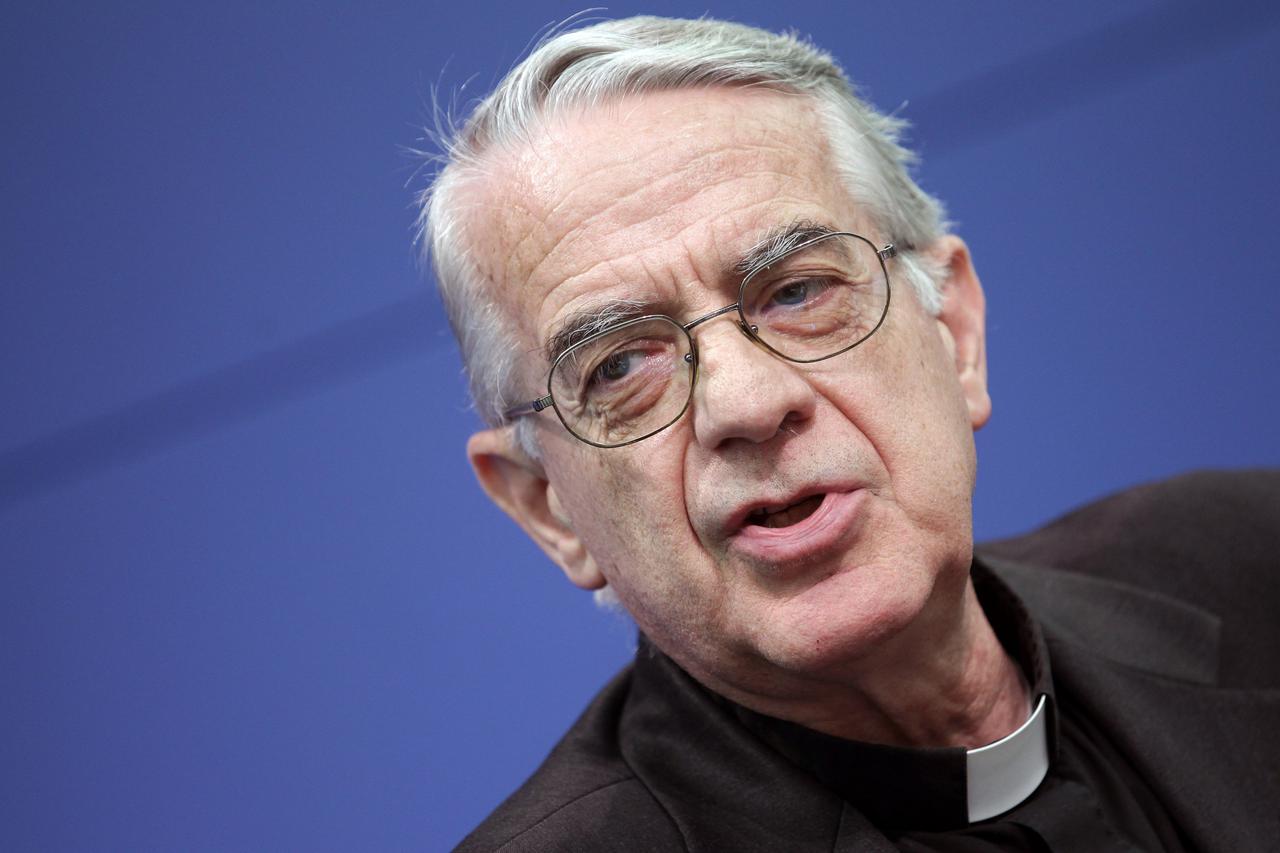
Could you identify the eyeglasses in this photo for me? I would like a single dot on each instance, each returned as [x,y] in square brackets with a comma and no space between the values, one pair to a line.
[818,299]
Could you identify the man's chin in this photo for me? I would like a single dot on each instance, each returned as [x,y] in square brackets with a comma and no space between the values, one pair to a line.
[839,628]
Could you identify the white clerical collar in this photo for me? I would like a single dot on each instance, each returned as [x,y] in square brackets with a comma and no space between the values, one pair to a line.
[1001,775]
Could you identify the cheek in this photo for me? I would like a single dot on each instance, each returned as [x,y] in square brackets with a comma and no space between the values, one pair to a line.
[907,401]
[936,463]
[634,523]
[628,507]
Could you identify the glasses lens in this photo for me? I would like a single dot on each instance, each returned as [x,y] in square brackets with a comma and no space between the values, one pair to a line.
[818,300]
[624,384]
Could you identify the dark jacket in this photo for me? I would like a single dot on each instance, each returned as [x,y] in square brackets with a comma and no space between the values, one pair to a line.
[1160,614]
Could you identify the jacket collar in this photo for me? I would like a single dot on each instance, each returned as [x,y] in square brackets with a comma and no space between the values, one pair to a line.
[1145,666]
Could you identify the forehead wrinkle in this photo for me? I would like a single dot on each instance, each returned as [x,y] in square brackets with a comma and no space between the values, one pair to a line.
[554,150]
[501,191]
[691,253]
[542,161]
[567,280]
[702,164]
[633,201]
[566,242]
[553,153]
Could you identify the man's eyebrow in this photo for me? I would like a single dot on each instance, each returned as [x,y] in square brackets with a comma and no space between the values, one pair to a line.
[777,242]
[583,324]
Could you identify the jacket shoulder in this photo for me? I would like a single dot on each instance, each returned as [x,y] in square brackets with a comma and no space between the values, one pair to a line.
[584,796]
[1170,534]
[1209,538]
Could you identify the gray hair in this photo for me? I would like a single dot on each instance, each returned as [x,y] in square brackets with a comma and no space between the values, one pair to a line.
[599,63]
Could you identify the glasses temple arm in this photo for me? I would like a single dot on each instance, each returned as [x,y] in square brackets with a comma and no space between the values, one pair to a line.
[530,408]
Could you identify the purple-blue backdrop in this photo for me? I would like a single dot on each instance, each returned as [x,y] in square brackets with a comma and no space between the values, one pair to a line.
[250,597]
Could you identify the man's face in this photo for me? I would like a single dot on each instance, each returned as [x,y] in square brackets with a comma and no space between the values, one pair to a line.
[655,198]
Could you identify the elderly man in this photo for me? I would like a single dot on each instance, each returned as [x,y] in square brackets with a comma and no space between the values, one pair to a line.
[732,363]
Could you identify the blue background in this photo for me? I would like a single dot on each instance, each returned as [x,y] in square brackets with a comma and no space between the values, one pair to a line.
[250,597]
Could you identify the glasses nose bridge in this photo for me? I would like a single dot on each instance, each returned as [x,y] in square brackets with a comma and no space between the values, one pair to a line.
[694,357]
[719,312]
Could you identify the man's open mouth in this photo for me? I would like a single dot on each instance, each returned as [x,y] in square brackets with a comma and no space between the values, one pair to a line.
[785,516]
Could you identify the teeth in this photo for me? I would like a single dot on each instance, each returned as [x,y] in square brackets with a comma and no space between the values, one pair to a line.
[786,516]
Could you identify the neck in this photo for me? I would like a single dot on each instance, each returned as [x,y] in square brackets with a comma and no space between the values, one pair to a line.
[946,684]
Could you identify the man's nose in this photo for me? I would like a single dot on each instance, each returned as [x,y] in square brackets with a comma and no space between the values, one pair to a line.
[744,392]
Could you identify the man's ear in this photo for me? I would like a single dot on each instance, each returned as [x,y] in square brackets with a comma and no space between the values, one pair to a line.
[963,321]
[517,483]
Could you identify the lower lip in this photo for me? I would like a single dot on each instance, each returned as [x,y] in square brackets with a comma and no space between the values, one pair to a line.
[835,517]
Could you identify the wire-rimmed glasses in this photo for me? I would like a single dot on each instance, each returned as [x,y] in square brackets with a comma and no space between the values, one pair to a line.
[817,300]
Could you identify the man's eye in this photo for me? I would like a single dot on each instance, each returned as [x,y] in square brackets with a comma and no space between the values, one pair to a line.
[615,367]
[798,293]
[794,293]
